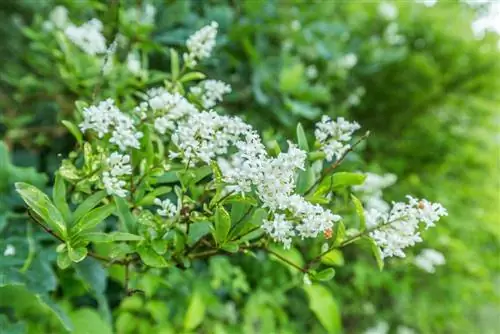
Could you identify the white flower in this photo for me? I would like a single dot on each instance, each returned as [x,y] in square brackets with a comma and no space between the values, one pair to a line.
[295,25]
[99,118]
[88,37]
[381,327]
[311,72]
[134,63]
[113,185]
[427,3]
[307,279]
[334,135]
[404,330]
[200,44]
[348,61]
[118,165]
[168,209]
[428,259]
[399,228]
[280,229]
[387,11]
[210,92]
[371,190]
[10,250]
[145,15]
[59,16]
[105,118]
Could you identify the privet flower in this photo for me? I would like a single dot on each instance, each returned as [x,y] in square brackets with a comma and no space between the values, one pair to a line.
[210,92]
[428,259]
[200,44]
[387,11]
[107,118]
[168,209]
[334,136]
[88,37]
[134,63]
[371,191]
[399,228]
[118,165]
[10,250]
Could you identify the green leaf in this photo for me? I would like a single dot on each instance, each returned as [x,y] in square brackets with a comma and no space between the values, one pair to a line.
[301,138]
[197,231]
[59,196]
[338,181]
[339,233]
[63,260]
[89,203]
[360,212]
[101,237]
[77,254]
[192,76]
[222,225]
[93,273]
[196,311]
[333,258]
[151,258]
[43,207]
[27,304]
[174,64]
[292,255]
[93,218]
[74,130]
[159,246]
[376,252]
[305,180]
[125,215]
[325,308]
[231,247]
[325,275]
[87,320]
[150,197]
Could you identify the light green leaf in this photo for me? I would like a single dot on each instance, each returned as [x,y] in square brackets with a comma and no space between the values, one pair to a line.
[333,258]
[74,131]
[101,237]
[376,252]
[325,275]
[63,260]
[222,225]
[195,313]
[174,64]
[231,247]
[305,180]
[125,215]
[89,203]
[360,212]
[59,196]
[301,138]
[93,218]
[192,76]
[151,258]
[43,207]
[77,254]
[325,308]
[87,320]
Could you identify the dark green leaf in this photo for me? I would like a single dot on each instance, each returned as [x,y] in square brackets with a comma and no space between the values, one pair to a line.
[89,203]
[93,218]
[125,215]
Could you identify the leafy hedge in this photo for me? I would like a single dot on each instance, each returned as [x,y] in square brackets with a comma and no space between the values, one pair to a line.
[419,80]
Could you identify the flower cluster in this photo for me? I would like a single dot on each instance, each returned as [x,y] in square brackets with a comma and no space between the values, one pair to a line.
[87,37]
[428,259]
[371,190]
[334,136]
[118,166]
[399,228]
[107,118]
[168,209]
[200,44]
[210,92]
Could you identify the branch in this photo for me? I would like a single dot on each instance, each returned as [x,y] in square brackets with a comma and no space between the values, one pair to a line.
[304,270]
[332,167]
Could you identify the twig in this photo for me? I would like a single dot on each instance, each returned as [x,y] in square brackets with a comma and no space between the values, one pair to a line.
[332,167]
[304,270]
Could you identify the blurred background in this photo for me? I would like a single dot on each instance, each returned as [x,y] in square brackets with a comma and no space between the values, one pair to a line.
[422,76]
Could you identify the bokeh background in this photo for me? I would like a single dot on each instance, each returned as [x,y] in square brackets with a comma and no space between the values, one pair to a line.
[422,76]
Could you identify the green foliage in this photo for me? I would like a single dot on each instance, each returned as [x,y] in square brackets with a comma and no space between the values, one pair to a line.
[430,100]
